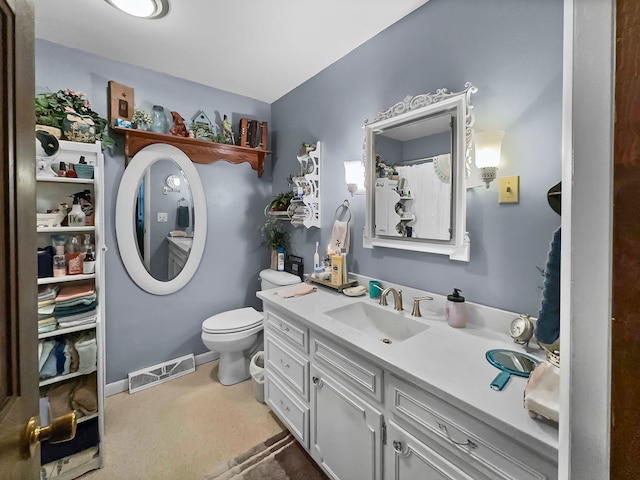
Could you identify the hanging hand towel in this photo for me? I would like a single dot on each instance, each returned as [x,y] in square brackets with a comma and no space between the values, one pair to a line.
[340,237]
[548,324]
[183,217]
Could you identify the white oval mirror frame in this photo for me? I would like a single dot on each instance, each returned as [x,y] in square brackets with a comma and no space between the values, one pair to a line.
[125,219]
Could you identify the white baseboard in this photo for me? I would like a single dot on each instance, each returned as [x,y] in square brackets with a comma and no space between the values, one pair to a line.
[120,386]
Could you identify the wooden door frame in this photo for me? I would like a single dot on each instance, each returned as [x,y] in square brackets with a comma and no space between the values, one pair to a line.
[18,251]
[587,182]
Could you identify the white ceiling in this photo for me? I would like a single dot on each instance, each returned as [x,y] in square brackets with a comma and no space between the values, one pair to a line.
[257,48]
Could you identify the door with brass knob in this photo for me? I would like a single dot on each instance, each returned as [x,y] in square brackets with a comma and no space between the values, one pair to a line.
[18,290]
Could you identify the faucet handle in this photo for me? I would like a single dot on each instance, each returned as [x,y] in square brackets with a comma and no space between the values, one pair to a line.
[399,301]
[416,305]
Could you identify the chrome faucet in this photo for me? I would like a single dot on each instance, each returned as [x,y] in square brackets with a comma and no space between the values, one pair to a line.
[416,305]
[397,297]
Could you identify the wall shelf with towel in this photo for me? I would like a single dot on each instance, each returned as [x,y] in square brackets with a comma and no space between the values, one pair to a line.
[71,314]
[199,151]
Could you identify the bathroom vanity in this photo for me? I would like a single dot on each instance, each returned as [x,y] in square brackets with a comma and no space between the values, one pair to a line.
[373,393]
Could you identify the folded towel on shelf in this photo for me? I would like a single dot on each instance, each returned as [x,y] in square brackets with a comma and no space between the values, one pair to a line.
[47,292]
[69,292]
[60,312]
[48,324]
[85,396]
[60,398]
[84,300]
[296,290]
[87,353]
[340,237]
[44,349]
[75,320]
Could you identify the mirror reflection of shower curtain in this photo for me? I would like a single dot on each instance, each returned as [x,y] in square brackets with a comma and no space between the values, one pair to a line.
[431,203]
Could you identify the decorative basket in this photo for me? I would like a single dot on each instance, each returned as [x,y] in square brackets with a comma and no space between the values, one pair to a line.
[78,128]
[83,170]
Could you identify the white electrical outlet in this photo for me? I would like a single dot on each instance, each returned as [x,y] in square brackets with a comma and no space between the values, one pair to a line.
[162,216]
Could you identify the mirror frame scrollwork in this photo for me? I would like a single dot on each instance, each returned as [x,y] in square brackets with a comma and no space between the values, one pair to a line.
[125,218]
[417,108]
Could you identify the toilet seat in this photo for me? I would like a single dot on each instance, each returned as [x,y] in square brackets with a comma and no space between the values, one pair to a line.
[233,321]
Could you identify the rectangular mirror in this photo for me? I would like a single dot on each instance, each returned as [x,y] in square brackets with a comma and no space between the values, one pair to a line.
[417,159]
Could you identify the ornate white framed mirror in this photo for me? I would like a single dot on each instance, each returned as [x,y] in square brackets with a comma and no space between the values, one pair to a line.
[417,158]
[161,232]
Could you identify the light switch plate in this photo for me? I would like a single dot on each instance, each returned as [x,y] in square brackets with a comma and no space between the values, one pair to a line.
[162,216]
[509,189]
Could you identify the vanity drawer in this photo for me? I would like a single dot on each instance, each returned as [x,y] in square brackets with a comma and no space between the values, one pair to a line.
[486,449]
[297,335]
[362,374]
[293,413]
[291,366]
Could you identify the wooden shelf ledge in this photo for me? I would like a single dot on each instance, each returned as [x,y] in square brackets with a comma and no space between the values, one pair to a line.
[199,151]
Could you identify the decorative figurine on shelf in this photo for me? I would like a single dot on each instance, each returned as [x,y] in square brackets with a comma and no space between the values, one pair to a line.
[227,131]
[179,128]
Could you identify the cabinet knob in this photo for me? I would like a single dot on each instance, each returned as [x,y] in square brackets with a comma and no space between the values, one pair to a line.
[397,447]
[317,382]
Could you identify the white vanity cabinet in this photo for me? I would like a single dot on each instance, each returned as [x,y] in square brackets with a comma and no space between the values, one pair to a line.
[359,419]
[82,388]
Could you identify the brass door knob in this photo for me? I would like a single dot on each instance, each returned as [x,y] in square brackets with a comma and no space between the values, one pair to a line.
[62,429]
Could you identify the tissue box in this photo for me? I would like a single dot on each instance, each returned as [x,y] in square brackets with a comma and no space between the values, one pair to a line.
[295,266]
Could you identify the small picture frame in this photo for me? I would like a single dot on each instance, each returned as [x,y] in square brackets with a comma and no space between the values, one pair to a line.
[121,103]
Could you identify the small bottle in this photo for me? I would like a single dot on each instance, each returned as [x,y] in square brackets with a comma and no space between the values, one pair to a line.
[62,170]
[456,310]
[74,257]
[89,256]
[59,262]
[71,172]
[281,259]
[76,217]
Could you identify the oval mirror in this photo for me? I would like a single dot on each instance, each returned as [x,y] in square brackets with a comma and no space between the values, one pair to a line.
[161,219]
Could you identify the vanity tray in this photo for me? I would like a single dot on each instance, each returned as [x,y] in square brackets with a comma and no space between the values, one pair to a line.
[338,288]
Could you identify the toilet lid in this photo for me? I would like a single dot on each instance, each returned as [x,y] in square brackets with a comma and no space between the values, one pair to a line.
[232,321]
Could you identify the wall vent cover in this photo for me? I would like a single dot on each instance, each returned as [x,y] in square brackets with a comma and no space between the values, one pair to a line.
[163,372]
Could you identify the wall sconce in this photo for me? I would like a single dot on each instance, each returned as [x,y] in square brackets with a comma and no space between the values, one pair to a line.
[172,184]
[487,149]
[354,176]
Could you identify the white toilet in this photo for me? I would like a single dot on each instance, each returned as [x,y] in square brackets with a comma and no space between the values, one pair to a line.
[235,334]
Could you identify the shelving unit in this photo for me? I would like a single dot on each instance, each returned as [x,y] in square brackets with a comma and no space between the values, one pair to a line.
[388,203]
[199,151]
[66,461]
[305,210]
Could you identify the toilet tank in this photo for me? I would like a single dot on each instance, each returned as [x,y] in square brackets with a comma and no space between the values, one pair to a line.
[271,279]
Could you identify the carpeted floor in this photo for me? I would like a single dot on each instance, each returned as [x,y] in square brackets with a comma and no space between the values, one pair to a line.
[279,458]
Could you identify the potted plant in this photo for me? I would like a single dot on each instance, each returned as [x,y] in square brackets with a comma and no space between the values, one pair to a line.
[141,119]
[281,202]
[71,111]
[275,236]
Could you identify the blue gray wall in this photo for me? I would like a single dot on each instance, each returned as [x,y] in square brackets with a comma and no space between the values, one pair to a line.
[512,51]
[144,329]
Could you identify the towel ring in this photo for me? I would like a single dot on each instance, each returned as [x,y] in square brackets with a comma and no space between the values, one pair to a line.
[345,209]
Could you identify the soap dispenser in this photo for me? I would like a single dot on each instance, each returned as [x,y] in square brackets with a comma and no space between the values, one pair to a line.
[456,310]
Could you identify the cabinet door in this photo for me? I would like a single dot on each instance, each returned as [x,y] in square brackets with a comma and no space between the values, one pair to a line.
[346,432]
[407,458]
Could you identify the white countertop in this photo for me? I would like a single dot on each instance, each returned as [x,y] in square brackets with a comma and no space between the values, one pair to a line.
[448,362]
[183,243]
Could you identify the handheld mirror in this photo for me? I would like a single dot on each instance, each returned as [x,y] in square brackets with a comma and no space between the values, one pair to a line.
[510,363]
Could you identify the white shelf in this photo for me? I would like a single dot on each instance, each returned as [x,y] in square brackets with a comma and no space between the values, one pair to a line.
[66,278]
[89,181]
[86,418]
[65,229]
[65,331]
[309,182]
[62,378]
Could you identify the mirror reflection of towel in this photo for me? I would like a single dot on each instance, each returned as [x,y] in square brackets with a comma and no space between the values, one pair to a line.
[183,217]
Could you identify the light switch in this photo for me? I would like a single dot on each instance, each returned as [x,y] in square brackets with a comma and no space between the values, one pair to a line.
[509,189]
[162,216]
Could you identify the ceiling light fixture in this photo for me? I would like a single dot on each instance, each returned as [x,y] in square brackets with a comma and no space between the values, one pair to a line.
[149,9]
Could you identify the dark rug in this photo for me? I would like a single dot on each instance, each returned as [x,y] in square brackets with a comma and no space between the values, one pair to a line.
[279,458]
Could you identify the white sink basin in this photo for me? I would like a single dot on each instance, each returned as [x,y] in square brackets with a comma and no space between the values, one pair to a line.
[385,324]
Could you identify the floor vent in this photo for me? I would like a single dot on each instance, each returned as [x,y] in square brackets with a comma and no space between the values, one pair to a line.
[149,377]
